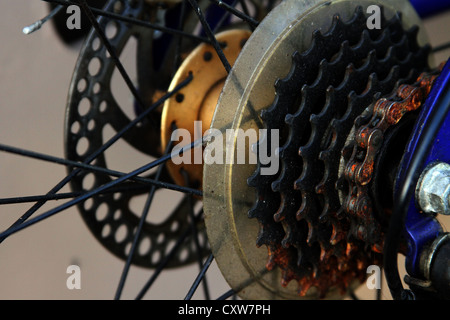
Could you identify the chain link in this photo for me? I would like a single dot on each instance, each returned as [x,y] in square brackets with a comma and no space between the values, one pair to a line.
[369,136]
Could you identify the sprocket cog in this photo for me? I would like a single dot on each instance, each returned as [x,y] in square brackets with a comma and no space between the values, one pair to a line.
[327,87]
[309,70]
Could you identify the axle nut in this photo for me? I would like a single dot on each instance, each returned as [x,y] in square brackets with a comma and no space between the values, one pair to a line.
[433,189]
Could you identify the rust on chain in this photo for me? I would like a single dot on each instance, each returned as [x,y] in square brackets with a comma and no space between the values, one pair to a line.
[359,169]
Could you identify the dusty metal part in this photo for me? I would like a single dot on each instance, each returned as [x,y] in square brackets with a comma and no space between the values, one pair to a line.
[433,189]
[198,101]
[249,89]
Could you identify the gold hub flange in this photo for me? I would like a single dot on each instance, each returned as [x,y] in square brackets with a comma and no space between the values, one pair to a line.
[197,101]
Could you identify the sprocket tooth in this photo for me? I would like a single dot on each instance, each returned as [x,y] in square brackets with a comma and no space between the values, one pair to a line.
[256,179]
[325,254]
[325,215]
[338,233]
[285,209]
[269,235]
[352,248]
[412,34]
[295,231]
[312,234]
[305,254]
[276,256]
[260,209]
[303,286]
[273,114]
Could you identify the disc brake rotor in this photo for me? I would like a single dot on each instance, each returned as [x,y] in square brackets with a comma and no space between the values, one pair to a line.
[92,107]
[312,75]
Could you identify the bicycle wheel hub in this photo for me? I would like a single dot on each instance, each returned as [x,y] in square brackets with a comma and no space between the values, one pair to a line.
[196,104]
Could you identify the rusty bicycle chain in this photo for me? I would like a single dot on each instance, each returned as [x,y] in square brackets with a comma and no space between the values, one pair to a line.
[360,155]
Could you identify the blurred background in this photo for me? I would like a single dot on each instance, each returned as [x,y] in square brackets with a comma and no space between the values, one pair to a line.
[35,72]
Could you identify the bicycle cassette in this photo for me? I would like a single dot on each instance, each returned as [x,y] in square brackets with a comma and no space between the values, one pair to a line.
[309,71]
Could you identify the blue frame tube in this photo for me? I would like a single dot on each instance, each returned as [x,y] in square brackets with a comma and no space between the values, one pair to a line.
[420,228]
[426,8]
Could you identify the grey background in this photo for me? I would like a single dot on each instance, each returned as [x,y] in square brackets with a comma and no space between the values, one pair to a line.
[35,72]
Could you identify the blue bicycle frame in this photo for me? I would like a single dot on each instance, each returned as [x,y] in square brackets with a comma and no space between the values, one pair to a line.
[427,8]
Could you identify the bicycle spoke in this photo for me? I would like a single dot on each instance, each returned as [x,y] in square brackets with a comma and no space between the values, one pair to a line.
[70,195]
[92,168]
[441,47]
[223,19]
[145,212]
[200,277]
[177,56]
[77,200]
[252,22]
[134,21]
[210,34]
[98,190]
[195,235]
[87,10]
[15,226]
[38,24]
[166,259]
[226,295]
